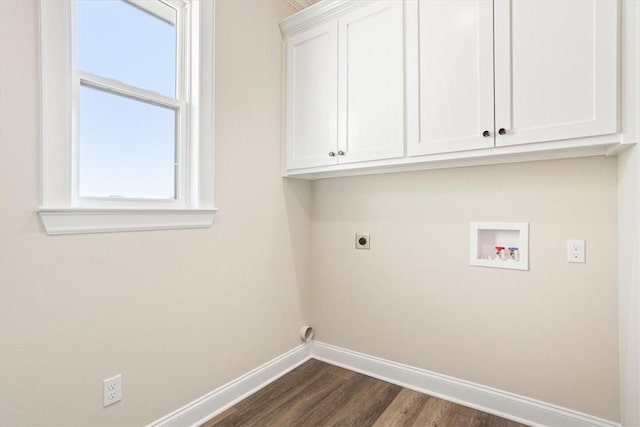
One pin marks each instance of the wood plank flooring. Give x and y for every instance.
(319, 394)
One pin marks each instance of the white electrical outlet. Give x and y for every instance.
(575, 251)
(363, 241)
(112, 390)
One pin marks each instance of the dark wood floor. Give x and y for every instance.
(319, 394)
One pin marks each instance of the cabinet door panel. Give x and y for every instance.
(311, 101)
(455, 78)
(371, 112)
(555, 69)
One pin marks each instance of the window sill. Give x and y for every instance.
(89, 220)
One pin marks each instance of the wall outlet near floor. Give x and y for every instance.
(112, 390)
(363, 241)
(575, 251)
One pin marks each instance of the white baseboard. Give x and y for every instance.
(211, 404)
(506, 405)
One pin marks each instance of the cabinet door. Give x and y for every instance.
(555, 69)
(312, 97)
(449, 75)
(371, 105)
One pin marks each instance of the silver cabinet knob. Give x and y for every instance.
(341, 153)
(486, 134)
(332, 154)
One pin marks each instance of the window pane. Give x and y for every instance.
(118, 40)
(127, 147)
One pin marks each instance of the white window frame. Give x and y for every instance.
(61, 209)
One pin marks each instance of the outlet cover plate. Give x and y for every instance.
(112, 390)
(576, 251)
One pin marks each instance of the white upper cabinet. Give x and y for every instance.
(450, 87)
(371, 83)
(392, 85)
(312, 97)
(345, 89)
(555, 69)
(553, 65)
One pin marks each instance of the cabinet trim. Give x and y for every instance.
(314, 15)
(607, 145)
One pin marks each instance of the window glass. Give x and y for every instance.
(127, 147)
(134, 43)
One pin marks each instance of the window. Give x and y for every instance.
(127, 115)
(129, 103)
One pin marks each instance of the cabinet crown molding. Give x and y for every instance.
(300, 4)
(315, 14)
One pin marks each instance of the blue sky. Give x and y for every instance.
(127, 147)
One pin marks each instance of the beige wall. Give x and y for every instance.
(549, 333)
(177, 313)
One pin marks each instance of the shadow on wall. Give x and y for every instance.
(297, 198)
